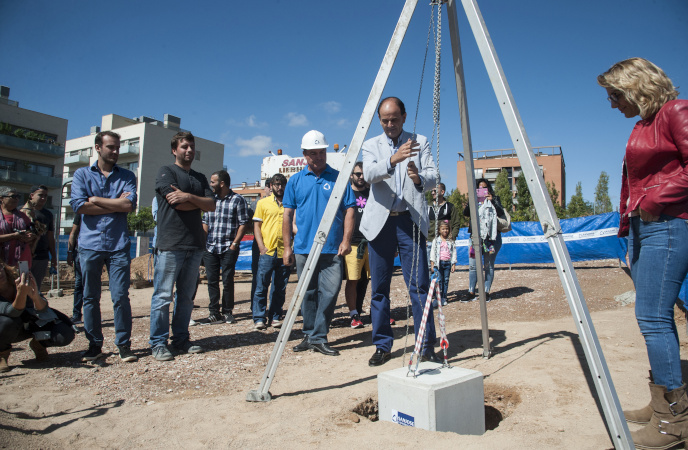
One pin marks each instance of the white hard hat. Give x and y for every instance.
(313, 140)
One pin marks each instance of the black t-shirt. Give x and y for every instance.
(445, 211)
(361, 200)
(42, 248)
(180, 230)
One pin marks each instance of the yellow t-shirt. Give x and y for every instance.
(270, 213)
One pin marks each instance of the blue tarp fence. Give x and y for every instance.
(587, 238)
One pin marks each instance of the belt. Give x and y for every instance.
(397, 213)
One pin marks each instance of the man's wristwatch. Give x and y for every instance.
(232, 244)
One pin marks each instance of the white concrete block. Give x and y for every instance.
(438, 399)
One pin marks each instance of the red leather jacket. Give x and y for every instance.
(655, 176)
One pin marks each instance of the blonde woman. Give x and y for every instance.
(654, 209)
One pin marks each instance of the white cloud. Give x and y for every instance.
(297, 120)
(256, 146)
(332, 107)
(250, 121)
(343, 123)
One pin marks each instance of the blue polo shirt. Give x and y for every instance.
(308, 195)
(102, 232)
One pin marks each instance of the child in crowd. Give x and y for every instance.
(443, 257)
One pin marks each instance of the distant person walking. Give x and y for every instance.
(654, 210)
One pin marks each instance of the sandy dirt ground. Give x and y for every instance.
(538, 392)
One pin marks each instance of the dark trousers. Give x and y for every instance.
(213, 263)
(12, 330)
(398, 232)
(78, 287)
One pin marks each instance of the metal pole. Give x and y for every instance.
(550, 224)
(262, 394)
(470, 174)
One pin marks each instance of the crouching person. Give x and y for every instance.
(24, 314)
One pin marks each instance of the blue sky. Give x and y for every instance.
(257, 75)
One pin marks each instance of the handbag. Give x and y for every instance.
(504, 223)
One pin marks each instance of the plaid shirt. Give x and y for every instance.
(230, 213)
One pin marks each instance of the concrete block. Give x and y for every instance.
(438, 399)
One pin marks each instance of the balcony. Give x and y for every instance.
(29, 178)
(77, 160)
(25, 145)
(129, 150)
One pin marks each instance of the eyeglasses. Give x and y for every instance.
(14, 196)
(613, 98)
(358, 174)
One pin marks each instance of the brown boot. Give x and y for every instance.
(38, 350)
(643, 415)
(669, 423)
(4, 356)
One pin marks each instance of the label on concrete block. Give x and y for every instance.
(403, 419)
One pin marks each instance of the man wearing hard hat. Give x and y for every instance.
(308, 192)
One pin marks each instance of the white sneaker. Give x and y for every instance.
(192, 323)
(260, 325)
(276, 324)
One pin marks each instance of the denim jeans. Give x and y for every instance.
(78, 286)
(321, 296)
(267, 266)
(445, 271)
(173, 267)
(213, 262)
(659, 263)
(398, 233)
(488, 265)
(118, 266)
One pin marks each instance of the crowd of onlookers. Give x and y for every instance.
(383, 213)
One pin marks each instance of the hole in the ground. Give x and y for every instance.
(368, 408)
(500, 401)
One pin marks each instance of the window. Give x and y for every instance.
(198, 156)
(134, 167)
(7, 164)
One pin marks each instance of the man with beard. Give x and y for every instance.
(104, 194)
(267, 232)
(224, 228)
(182, 195)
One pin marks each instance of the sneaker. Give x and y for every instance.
(192, 323)
(260, 325)
(76, 320)
(392, 321)
(92, 353)
(188, 347)
(276, 323)
(356, 322)
(125, 354)
(162, 353)
(213, 319)
(229, 318)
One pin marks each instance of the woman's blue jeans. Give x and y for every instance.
(659, 263)
(488, 265)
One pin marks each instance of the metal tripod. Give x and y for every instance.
(550, 223)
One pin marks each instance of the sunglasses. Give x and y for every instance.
(358, 174)
(14, 196)
(613, 98)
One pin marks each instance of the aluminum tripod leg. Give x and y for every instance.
(470, 174)
(550, 224)
(262, 393)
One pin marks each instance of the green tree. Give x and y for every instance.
(459, 201)
(578, 207)
(554, 196)
(141, 221)
(524, 202)
(602, 202)
(502, 188)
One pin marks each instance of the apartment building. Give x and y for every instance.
(489, 163)
(145, 147)
(32, 148)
